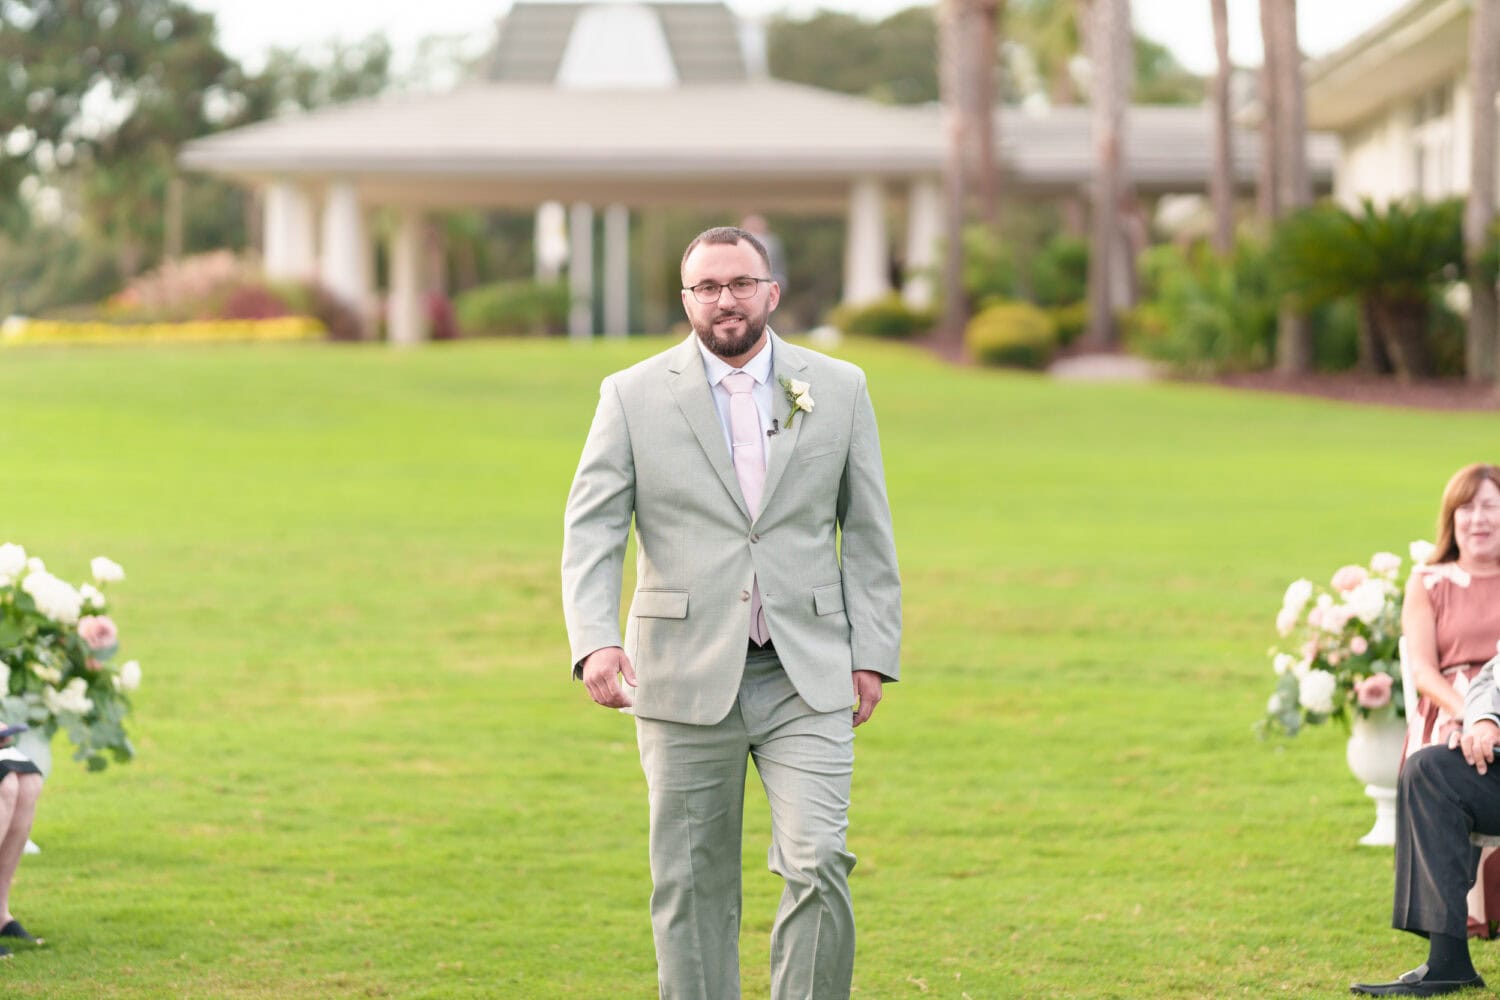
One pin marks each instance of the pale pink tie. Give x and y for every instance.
(750, 470)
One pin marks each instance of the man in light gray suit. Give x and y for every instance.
(766, 616)
(1443, 796)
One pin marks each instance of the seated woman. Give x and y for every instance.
(1448, 791)
(1451, 620)
(20, 786)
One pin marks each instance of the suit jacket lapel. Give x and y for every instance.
(787, 363)
(689, 387)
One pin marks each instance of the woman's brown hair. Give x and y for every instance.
(1459, 491)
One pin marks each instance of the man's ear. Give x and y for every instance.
(774, 298)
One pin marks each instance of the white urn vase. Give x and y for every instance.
(1374, 755)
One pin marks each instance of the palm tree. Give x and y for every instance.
(1266, 203)
(952, 70)
(967, 41)
(1479, 210)
(1288, 130)
(1221, 184)
(1109, 38)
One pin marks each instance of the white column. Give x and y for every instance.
(924, 227)
(406, 317)
(581, 270)
(866, 277)
(616, 271)
(290, 250)
(550, 240)
(345, 265)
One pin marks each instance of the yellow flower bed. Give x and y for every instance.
(19, 332)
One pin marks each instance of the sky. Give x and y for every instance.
(248, 28)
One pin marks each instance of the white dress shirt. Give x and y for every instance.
(758, 368)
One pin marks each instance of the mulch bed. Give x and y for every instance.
(1420, 394)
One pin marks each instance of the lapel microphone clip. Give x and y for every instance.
(775, 427)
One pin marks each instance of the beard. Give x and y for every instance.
(731, 346)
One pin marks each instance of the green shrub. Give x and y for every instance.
(1072, 320)
(1203, 314)
(1012, 333)
(1060, 272)
(886, 317)
(1391, 259)
(989, 265)
(513, 309)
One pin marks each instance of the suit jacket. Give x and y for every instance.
(821, 546)
(1482, 700)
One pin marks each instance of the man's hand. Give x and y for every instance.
(1478, 745)
(867, 689)
(602, 670)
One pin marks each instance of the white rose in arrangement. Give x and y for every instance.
(72, 698)
(4, 678)
(35, 565)
(1420, 552)
(1315, 693)
(12, 560)
(1283, 662)
(1367, 601)
(130, 677)
(92, 595)
(1296, 596)
(54, 598)
(49, 674)
(1386, 562)
(106, 570)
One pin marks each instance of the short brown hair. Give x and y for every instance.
(727, 236)
(1459, 491)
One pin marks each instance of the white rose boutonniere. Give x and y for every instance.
(798, 396)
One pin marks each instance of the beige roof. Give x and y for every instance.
(703, 39)
(1417, 47)
(773, 143)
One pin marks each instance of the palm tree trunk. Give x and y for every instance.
(952, 57)
(1221, 183)
(1267, 204)
(1110, 41)
(1479, 211)
(1294, 347)
(984, 18)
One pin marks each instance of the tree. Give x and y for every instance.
(1109, 43)
(1479, 209)
(109, 89)
(1221, 183)
(953, 56)
(1286, 123)
(1389, 259)
(894, 60)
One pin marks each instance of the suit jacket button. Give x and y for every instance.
(744, 595)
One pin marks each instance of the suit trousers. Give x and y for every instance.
(1441, 799)
(696, 777)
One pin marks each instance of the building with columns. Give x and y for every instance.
(621, 108)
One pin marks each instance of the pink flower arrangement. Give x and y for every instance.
(1349, 577)
(98, 631)
(1374, 691)
(1337, 658)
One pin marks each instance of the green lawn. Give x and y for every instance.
(363, 771)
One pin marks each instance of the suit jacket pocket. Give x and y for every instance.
(828, 600)
(660, 604)
(820, 449)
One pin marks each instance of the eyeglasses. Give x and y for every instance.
(742, 287)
